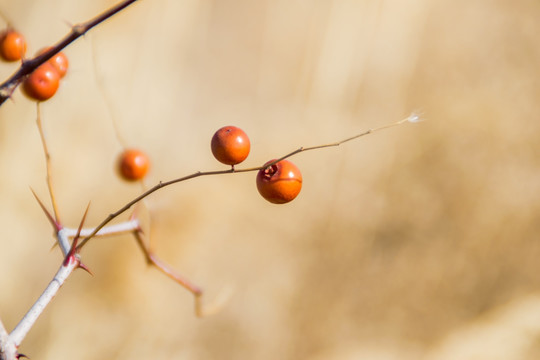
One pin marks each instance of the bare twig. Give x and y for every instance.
(116, 229)
(29, 65)
(152, 258)
(106, 99)
(47, 163)
(201, 310)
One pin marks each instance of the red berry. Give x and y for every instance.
(59, 61)
(12, 45)
(230, 145)
(133, 164)
(42, 83)
(279, 183)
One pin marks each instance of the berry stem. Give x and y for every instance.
(106, 99)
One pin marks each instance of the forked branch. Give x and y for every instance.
(9, 343)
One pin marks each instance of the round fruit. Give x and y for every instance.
(230, 145)
(279, 183)
(42, 83)
(12, 45)
(59, 61)
(133, 164)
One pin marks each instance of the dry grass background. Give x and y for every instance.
(420, 242)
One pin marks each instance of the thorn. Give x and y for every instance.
(73, 249)
(82, 222)
(68, 24)
(53, 222)
(85, 268)
(53, 246)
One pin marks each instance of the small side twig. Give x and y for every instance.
(116, 229)
(201, 310)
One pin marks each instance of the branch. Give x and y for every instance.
(26, 323)
(8, 350)
(71, 262)
(413, 118)
(28, 66)
(10, 343)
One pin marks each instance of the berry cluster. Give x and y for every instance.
(44, 81)
(277, 181)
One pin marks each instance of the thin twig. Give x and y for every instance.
(8, 21)
(116, 229)
(412, 118)
(106, 99)
(151, 258)
(29, 65)
(201, 310)
(47, 163)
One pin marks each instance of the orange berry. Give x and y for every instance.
(59, 61)
(12, 45)
(279, 183)
(133, 164)
(230, 145)
(42, 83)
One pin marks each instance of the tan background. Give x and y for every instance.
(420, 242)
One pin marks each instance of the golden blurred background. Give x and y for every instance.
(419, 242)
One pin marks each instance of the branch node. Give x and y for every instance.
(79, 29)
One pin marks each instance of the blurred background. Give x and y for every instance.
(418, 242)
